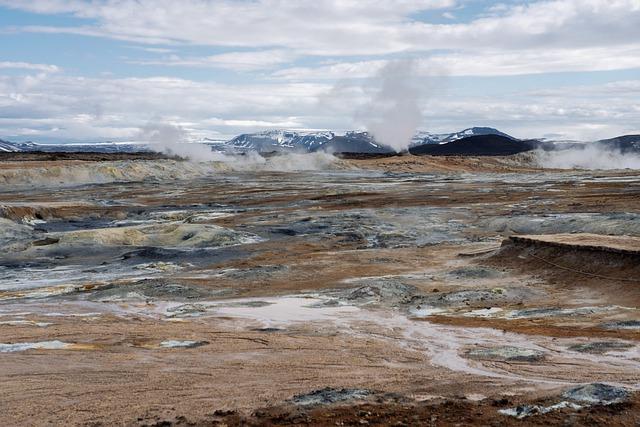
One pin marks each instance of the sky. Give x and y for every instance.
(102, 70)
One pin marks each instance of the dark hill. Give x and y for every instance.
(479, 145)
(624, 144)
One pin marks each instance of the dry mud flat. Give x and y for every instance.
(159, 292)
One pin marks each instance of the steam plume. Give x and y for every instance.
(173, 140)
(591, 156)
(394, 112)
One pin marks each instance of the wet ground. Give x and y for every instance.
(136, 296)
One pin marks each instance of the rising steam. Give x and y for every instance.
(591, 156)
(173, 140)
(394, 112)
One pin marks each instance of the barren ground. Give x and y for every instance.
(145, 291)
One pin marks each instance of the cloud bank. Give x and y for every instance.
(223, 67)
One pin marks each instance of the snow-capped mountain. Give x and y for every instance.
(304, 141)
(96, 147)
(281, 140)
(7, 147)
(422, 137)
(307, 142)
(13, 147)
(352, 141)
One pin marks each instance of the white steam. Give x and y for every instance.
(285, 162)
(173, 140)
(394, 112)
(591, 156)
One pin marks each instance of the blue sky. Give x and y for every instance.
(73, 70)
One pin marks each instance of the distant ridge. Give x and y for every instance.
(350, 142)
(479, 145)
(354, 142)
(269, 141)
(422, 138)
(14, 147)
(476, 141)
(101, 147)
(625, 143)
(7, 147)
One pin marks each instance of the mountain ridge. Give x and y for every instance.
(354, 142)
(476, 145)
(351, 141)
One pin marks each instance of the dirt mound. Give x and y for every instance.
(508, 354)
(607, 265)
(585, 242)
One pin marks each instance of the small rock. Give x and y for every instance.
(597, 393)
(182, 344)
(506, 353)
(600, 347)
(330, 395)
(267, 329)
(625, 324)
(524, 411)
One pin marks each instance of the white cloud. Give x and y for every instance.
(485, 63)
(288, 123)
(77, 107)
(152, 49)
(94, 108)
(29, 66)
(237, 61)
(349, 39)
(310, 26)
(574, 112)
(340, 27)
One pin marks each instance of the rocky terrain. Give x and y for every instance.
(398, 290)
